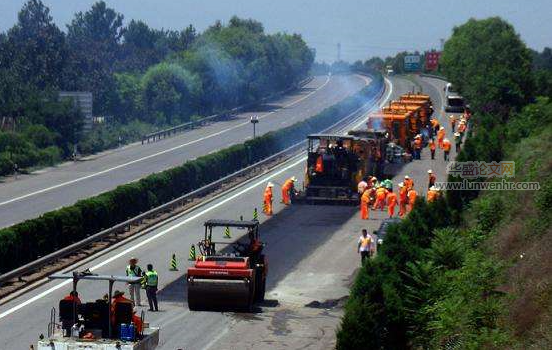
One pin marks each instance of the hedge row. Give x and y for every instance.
(26, 241)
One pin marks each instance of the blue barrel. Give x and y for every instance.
(123, 331)
(131, 332)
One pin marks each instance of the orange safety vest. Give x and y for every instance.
(365, 199)
(381, 193)
(412, 194)
(365, 242)
(461, 128)
(446, 146)
(287, 185)
(408, 183)
(434, 123)
(441, 134)
(391, 199)
(268, 194)
(319, 168)
(431, 196)
(402, 194)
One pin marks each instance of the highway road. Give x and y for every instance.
(28, 196)
(312, 257)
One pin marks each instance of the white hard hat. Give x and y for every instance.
(429, 171)
(456, 134)
(432, 188)
(293, 178)
(406, 177)
(441, 128)
(446, 140)
(374, 179)
(401, 184)
(270, 184)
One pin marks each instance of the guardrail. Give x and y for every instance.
(158, 135)
(433, 76)
(177, 202)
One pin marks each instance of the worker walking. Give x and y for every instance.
(402, 199)
(412, 195)
(452, 122)
(364, 245)
(365, 205)
(267, 199)
(441, 137)
(152, 280)
(457, 141)
(431, 178)
(446, 149)
(391, 203)
(432, 194)
(288, 188)
(133, 270)
(408, 182)
(381, 194)
(432, 147)
(417, 147)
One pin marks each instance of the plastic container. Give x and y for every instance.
(123, 331)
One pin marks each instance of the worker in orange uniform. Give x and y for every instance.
(412, 195)
(440, 137)
(431, 178)
(462, 127)
(408, 182)
(267, 199)
(287, 188)
(446, 147)
(391, 203)
(402, 199)
(118, 298)
(432, 194)
(381, 194)
(432, 147)
(319, 167)
(74, 297)
(417, 146)
(452, 122)
(362, 186)
(365, 205)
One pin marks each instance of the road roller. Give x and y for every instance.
(228, 276)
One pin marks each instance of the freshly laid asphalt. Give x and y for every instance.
(28, 196)
(312, 258)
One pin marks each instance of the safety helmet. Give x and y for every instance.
(430, 171)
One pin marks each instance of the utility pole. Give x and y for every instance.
(338, 52)
(442, 46)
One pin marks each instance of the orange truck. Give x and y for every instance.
(421, 100)
(396, 123)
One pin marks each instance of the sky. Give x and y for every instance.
(364, 28)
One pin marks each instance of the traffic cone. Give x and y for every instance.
(174, 264)
(227, 232)
(192, 253)
(255, 214)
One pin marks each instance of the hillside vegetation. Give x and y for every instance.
(472, 271)
(141, 78)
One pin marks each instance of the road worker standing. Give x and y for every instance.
(319, 167)
(441, 137)
(417, 146)
(152, 280)
(452, 119)
(362, 185)
(412, 195)
(133, 270)
(431, 178)
(432, 147)
(364, 245)
(457, 141)
(446, 148)
(402, 199)
(267, 199)
(391, 203)
(408, 182)
(432, 194)
(381, 194)
(288, 188)
(365, 205)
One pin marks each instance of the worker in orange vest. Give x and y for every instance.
(417, 146)
(391, 203)
(412, 195)
(431, 178)
(381, 194)
(287, 188)
(432, 148)
(446, 148)
(441, 137)
(267, 200)
(408, 182)
(365, 205)
(402, 199)
(432, 194)
(452, 122)
(319, 167)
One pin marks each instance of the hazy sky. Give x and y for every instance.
(363, 27)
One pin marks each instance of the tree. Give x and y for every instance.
(142, 46)
(34, 50)
(94, 38)
(489, 64)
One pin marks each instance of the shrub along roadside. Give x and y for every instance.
(26, 241)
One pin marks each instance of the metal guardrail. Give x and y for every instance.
(182, 200)
(433, 76)
(158, 135)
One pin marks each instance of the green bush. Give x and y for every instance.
(30, 239)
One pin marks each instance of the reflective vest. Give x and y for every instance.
(365, 242)
(391, 199)
(446, 146)
(151, 278)
(133, 271)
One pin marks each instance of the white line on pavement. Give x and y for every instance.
(161, 152)
(299, 159)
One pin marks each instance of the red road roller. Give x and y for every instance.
(230, 278)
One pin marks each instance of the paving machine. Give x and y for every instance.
(99, 324)
(228, 280)
(337, 163)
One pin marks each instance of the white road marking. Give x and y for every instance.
(136, 245)
(159, 153)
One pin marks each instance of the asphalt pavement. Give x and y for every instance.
(312, 260)
(28, 196)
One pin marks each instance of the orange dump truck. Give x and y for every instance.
(413, 111)
(396, 123)
(421, 100)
